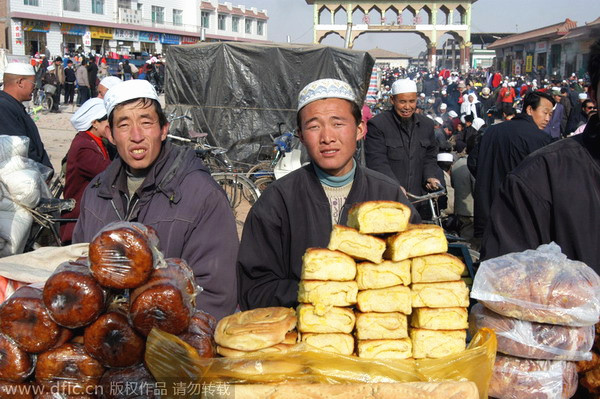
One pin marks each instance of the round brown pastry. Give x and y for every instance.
(113, 342)
(121, 258)
(65, 336)
(202, 322)
(15, 364)
(24, 318)
(163, 304)
(69, 369)
(15, 390)
(204, 344)
(142, 389)
(255, 329)
(179, 270)
(72, 296)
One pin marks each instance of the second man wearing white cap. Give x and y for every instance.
(401, 144)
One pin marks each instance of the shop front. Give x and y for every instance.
(189, 40)
(541, 52)
(100, 39)
(34, 35)
(167, 40)
(125, 40)
(72, 37)
(148, 42)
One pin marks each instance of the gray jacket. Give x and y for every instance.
(187, 208)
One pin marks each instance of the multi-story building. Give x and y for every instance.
(126, 26)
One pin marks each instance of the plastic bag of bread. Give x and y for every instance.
(516, 378)
(535, 340)
(539, 285)
(124, 254)
(172, 361)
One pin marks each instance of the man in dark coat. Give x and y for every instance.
(504, 146)
(168, 188)
(540, 202)
(402, 144)
(19, 82)
(92, 69)
(298, 211)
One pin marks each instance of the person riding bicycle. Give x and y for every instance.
(166, 187)
(19, 82)
(298, 211)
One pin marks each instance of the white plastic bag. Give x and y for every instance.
(15, 223)
(11, 146)
(539, 285)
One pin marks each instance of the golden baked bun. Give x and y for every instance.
(333, 293)
(436, 268)
(342, 344)
(440, 295)
(228, 352)
(324, 264)
(381, 326)
(255, 329)
(440, 318)
(391, 299)
(359, 246)
(379, 217)
(385, 274)
(437, 343)
(385, 348)
(313, 319)
(416, 240)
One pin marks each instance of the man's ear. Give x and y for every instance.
(300, 135)
(108, 134)
(164, 131)
(361, 131)
(529, 110)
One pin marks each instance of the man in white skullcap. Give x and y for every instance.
(107, 83)
(19, 82)
(87, 157)
(166, 187)
(403, 146)
(298, 211)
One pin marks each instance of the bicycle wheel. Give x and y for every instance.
(263, 182)
(254, 172)
(47, 103)
(241, 194)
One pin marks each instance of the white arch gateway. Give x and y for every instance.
(429, 19)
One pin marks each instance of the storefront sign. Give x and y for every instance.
(87, 39)
(541, 47)
(70, 29)
(101, 33)
(528, 63)
(126, 34)
(166, 38)
(36, 26)
(149, 37)
(189, 40)
(17, 31)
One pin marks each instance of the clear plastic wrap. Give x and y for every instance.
(200, 334)
(13, 146)
(535, 340)
(124, 254)
(172, 361)
(25, 180)
(72, 296)
(539, 285)
(24, 318)
(15, 224)
(15, 364)
(515, 378)
(117, 383)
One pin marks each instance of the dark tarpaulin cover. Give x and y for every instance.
(238, 93)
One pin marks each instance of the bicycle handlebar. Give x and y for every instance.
(420, 198)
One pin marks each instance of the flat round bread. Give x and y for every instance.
(255, 329)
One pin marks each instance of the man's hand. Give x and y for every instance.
(433, 184)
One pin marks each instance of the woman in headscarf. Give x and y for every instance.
(471, 106)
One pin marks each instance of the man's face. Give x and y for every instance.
(541, 116)
(26, 86)
(588, 108)
(405, 104)
(329, 132)
(102, 91)
(137, 134)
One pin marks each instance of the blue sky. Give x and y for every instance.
(294, 18)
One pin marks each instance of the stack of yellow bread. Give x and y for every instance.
(326, 292)
(406, 279)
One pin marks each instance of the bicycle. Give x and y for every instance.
(46, 222)
(42, 98)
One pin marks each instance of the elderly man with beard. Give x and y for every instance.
(402, 144)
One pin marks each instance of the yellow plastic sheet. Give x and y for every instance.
(175, 364)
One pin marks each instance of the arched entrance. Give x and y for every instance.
(431, 20)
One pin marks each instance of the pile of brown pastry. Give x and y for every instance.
(86, 327)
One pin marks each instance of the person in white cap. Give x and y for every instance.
(86, 158)
(402, 145)
(106, 84)
(19, 83)
(51, 78)
(578, 115)
(168, 188)
(298, 211)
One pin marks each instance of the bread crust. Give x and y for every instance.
(440, 295)
(381, 325)
(327, 265)
(416, 240)
(437, 343)
(312, 319)
(440, 318)
(436, 268)
(391, 299)
(385, 348)
(342, 344)
(386, 274)
(379, 217)
(357, 245)
(333, 293)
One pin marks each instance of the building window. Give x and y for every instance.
(235, 24)
(248, 26)
(204, 19)
(222, 19)
(31, 3)
(260, 28)
(71, 5)
(97, 6)
(158, 15)
(178, 17)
